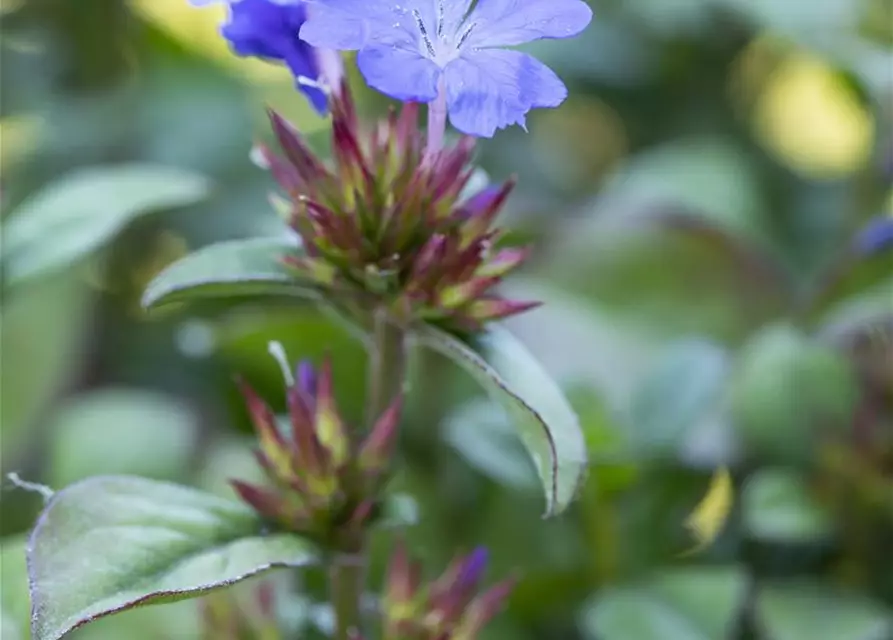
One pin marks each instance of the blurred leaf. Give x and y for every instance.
(850, 279)
(113, 431)
(225, 459)
(42, 328)
(483, 435)
(228, 269)
(872, 305)
(108, 544)
(789, 392)
(803, 18)
(691, 274)
(14, 603)
(778, 507)
(679, 604)
(398, 511)
(539, 411)
(711, 179)
(796, 611)
(82, 211)
(686, 381)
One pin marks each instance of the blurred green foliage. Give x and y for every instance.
(693, 204)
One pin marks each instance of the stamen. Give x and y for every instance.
(466, 33)
(421, 25)
(278, 352)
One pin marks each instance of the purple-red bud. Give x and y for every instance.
(375, 452)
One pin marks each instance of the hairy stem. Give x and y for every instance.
(347, 572)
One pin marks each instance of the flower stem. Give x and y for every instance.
(387, 364)
(437, 115)
(347, 571)
(331, 68)
(347, 581)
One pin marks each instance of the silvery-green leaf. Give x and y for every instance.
(540, 413)
(108, 544)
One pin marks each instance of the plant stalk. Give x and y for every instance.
(437, 117)
(347, 573)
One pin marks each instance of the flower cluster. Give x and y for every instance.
(321, 479)
(449, 52)
(424, 50)
(450, 608)
(388, 225)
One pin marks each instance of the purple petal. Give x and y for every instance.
(492, 89)
(269, 29)
(350, 25)
(400, 73)
(502, 23)
(454, 12)
(302, 63)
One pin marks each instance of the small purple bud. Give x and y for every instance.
(473, 569)
(306, 376)
(875, 237)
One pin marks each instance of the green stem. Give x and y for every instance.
(387, 365)
(347, 580)
(347, 572)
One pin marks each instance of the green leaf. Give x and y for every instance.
(795, 611)
(776, 505)
(109, 432)
(788, 390)
(43, 328)
(483, 435)
(85, 209)
(14, 605)
(686, 382)
(539, 411)
(228, 269)
(682, 604)
(108, 544)
(398, 510)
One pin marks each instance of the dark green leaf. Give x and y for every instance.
(686, 604)
(79, 213)
(108, 544)
(228, 269)
(539, 411)
(796, 611)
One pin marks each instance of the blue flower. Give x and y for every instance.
(269, 29)
(413, 49)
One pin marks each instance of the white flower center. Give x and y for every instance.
(442, 46)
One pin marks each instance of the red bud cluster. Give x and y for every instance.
(321, 480)
(450, 608)
(386, 225)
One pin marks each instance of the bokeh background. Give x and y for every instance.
(696, 205)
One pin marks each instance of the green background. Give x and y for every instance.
(693, 206)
